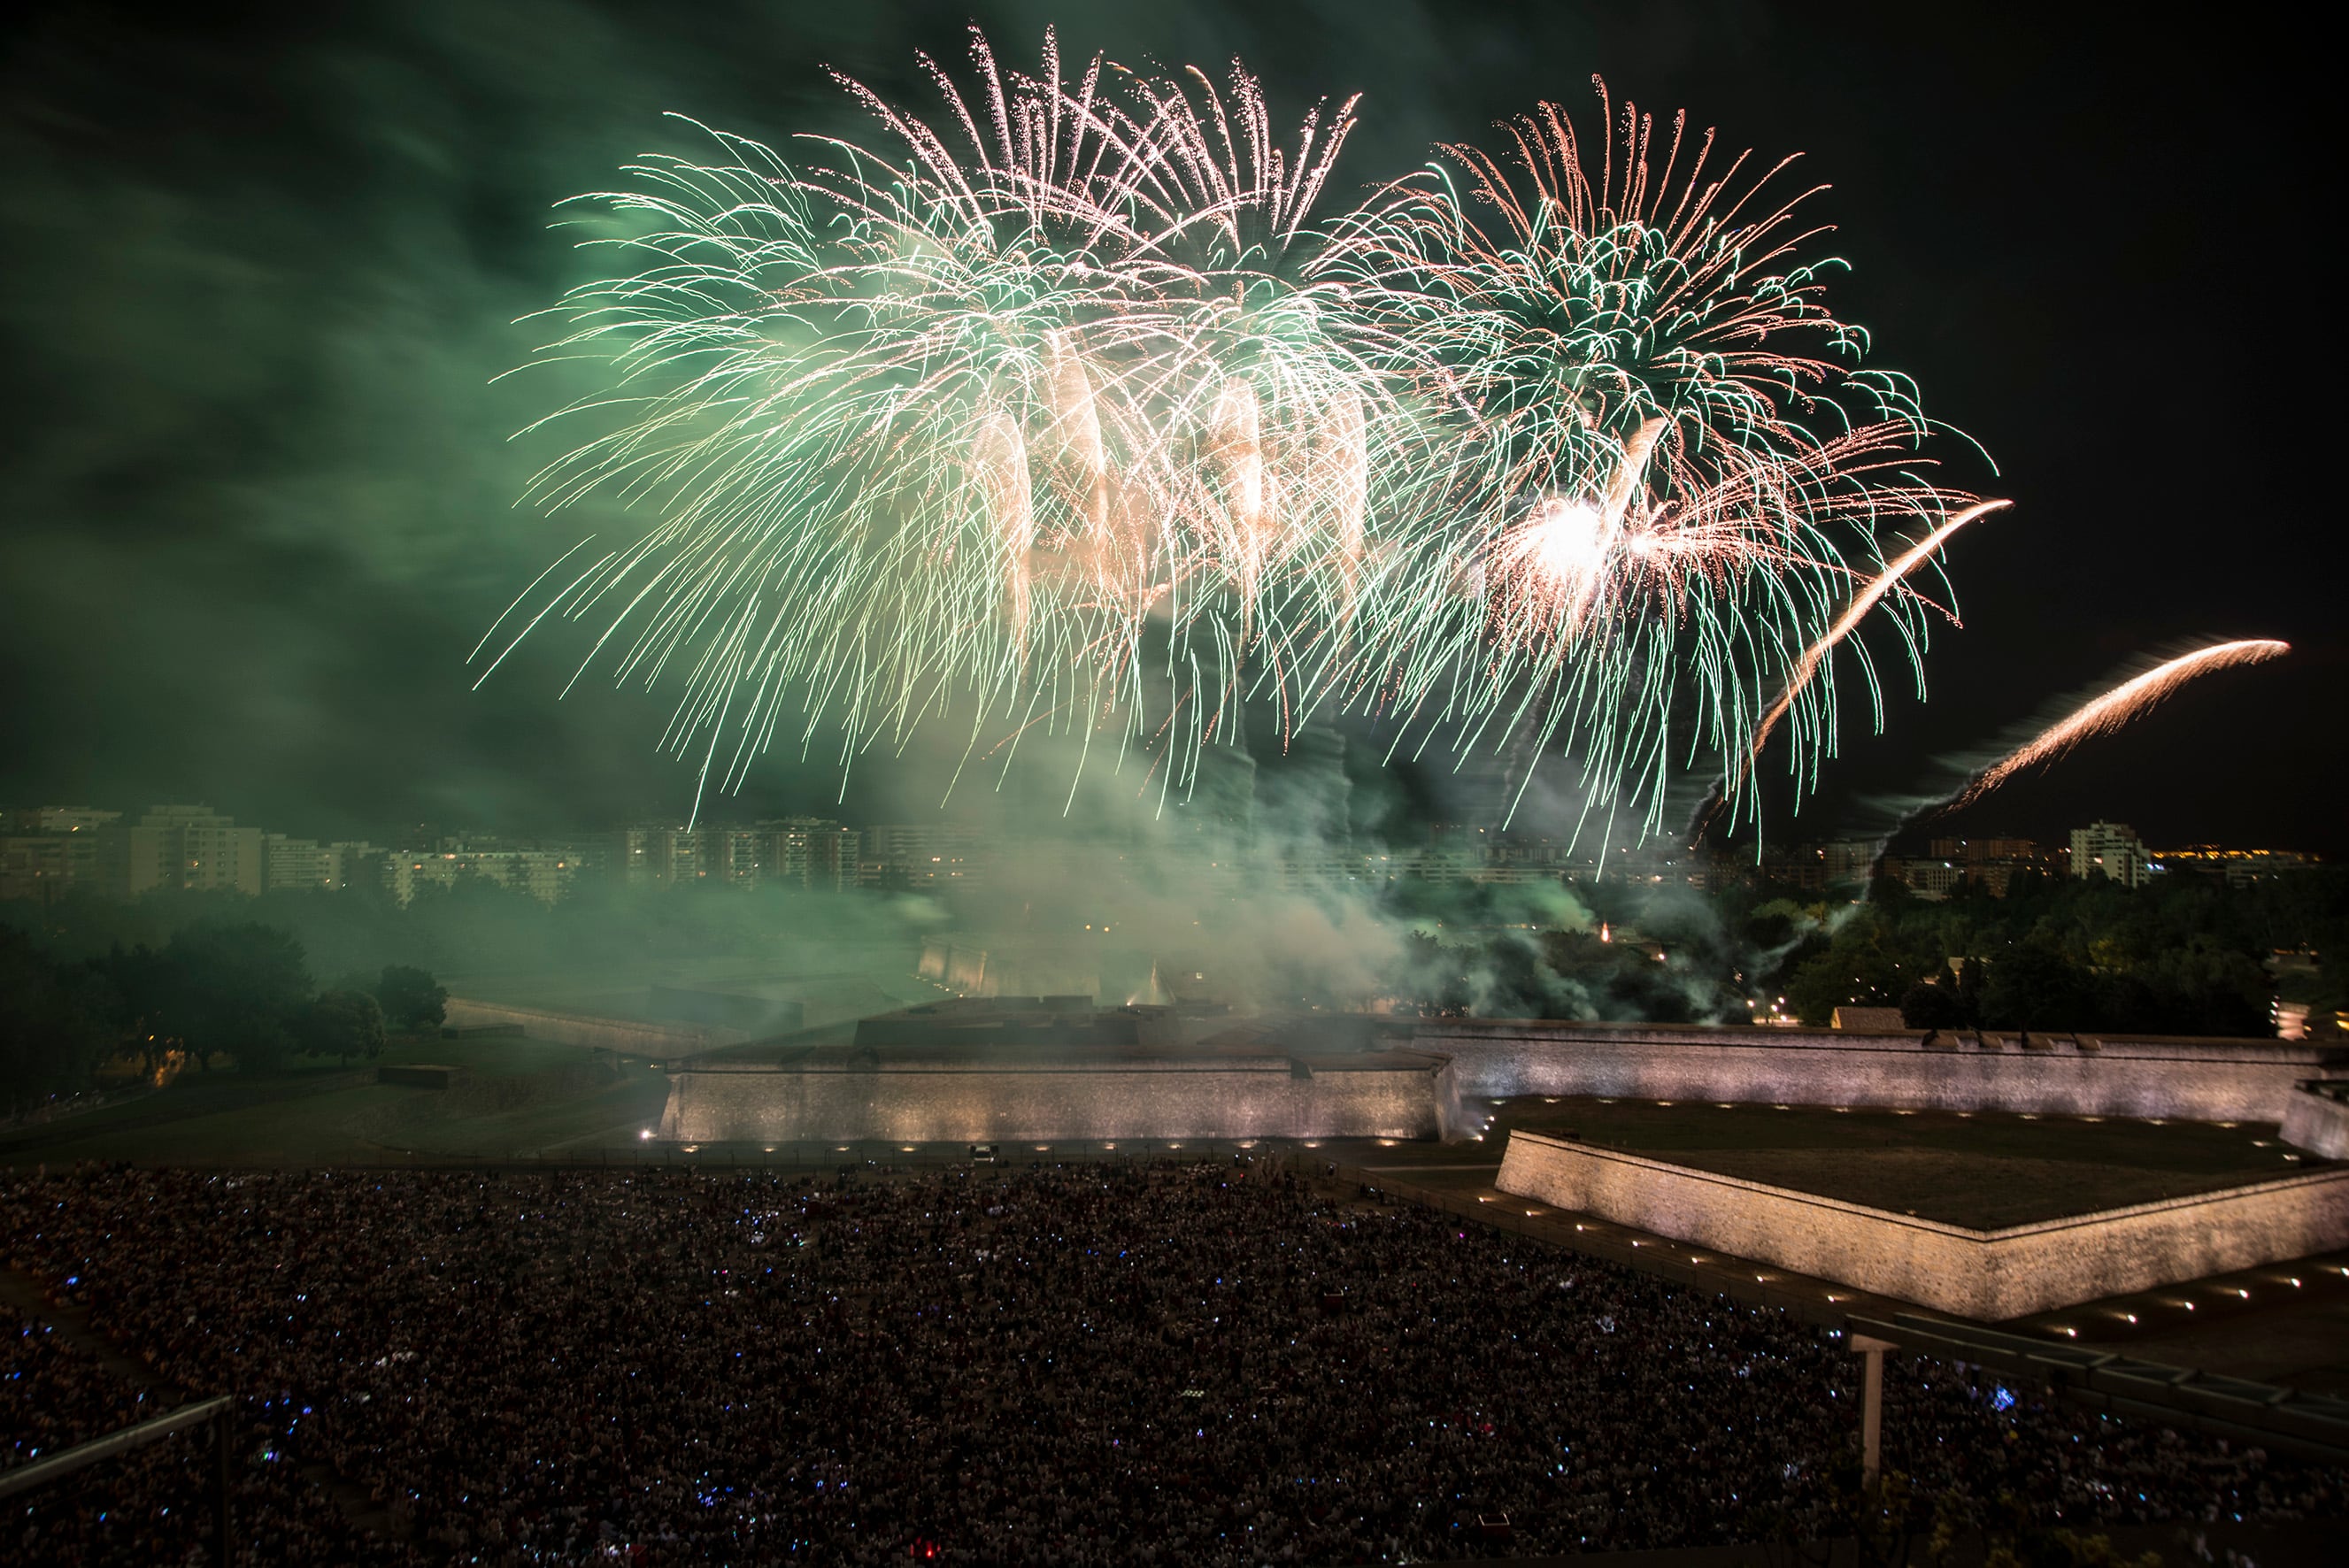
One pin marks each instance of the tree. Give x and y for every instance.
(1970, 991)
(144, 986)
(1580, 955)
(235, 988)
(411, 1001)
(53, 1021)
(2028, 887)
(1864, 965)
(1930, 1005)
(1774, 924)
(342, 1024)
(1434, 977)
(2035, 986)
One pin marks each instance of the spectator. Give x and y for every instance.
(1090, 1365)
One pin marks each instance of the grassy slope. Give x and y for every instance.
(324, 1114)
(1982, 1171)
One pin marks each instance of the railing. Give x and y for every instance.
(2315, 1425)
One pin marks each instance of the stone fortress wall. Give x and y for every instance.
(2317, 1119)
(1383, 1095)
(1269, 1092)
(1982, 1274)
(2143, 1077)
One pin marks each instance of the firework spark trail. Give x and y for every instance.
(2104, 714)
(1863, 603)
(1063, 411)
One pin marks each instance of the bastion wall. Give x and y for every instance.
(956, 1103)
(2200, 1081)
(1982, 1274)
(2318, 1123)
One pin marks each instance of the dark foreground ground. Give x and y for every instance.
(1093, 1363)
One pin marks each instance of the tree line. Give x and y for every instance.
(2185, 954)
(2182, 955)
(216, 994)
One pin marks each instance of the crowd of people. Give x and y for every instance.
(155, 1504)
(53, 1395)
(1197, 1364)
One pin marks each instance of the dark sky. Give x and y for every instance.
(263, 267)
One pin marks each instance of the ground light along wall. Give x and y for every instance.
(2084, 1075)
(1982, 1274)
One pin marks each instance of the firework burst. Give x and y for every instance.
(1670, 467)
(956, 422)
(1058, 408)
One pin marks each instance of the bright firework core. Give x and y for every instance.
(1561, 543)
(1549, 572)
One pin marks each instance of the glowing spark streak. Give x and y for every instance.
(1076, 421)
(1846, 624)
(1002, 460)
(1235, 437)
(1342, 454)
(1628, 476)
(2117, 707)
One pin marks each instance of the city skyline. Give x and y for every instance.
(48, 852)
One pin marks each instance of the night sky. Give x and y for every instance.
(263, 267)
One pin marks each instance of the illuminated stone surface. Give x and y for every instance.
(638, 1036)
(1986, 1274)
(1392, 1094)
(2111, 1075)
(2317, 1123)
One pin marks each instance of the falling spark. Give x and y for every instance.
(2102, 715)
(1862, 603)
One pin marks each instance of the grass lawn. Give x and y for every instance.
(526, 1094)
(1982, 1171)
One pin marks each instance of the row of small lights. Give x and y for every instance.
(2239, 1292)
(1897, 1110)
(1040, 1148)
(1487, 1123)
(1694, 1258)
